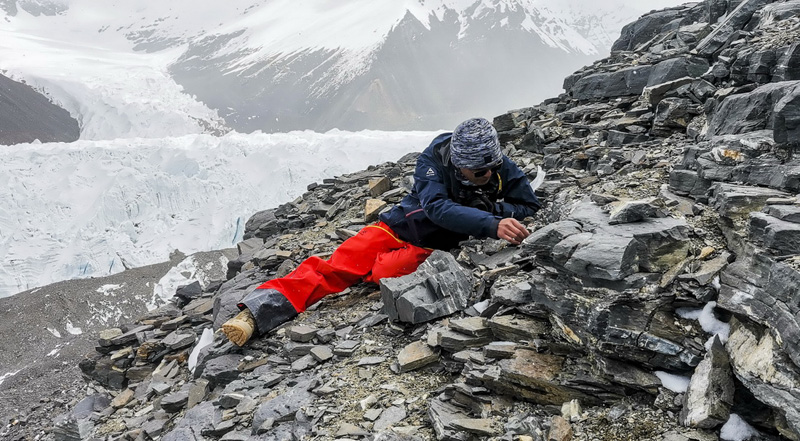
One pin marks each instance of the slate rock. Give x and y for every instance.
(301, 333)
(765, 291)
(220, 370)
(788, 68)
(629, 81)
(732, 200)
(389, 417)
(416, 355)
(764, 369)
(778, 236)
(644, 29)
(441, 415)
(676, 68)
(710, 394)
(633, 211)
(752, 111)
(283, 407)
(545, 238)
(786, 124)
(178, 340)
(788, 213)
(477, 426)
(726, 30)
(439, 287)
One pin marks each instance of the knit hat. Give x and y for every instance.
(475, 145)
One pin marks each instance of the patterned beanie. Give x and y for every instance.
(475, 145)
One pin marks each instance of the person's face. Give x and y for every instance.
(479, 176)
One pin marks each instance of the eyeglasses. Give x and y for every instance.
(482, 172)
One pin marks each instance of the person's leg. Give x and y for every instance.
(350, 262)
(280, 300)
(399, 262)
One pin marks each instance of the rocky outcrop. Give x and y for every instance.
(668, 245)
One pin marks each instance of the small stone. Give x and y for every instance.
(346, 348)
(379, 186)
(571, 411)
(473, 326)
(705, 252)
(321, 353)
(373, 414)
(347, 429)
(392, 415)
(175, 402)
(122, 398)
(302, 333)
(500, 349)
(372, 209)
(370, 361)
(303, 363)
(415, 356)
(482, 427)
(560, 429)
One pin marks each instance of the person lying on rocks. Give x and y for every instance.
(463, 186)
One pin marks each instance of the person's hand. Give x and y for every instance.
(509, 229)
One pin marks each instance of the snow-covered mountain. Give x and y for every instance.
(280, 65)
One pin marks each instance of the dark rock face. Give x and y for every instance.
(27, 115)
(644, 29)
(625, 82)
(750, 112)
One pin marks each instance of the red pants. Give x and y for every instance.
(373, 254)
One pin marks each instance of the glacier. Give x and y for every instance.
(93, 208)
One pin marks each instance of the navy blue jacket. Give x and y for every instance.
(441, 211)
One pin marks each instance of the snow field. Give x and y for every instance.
(92, 208)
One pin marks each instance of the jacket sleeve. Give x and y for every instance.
(519, 201)
(443, 211)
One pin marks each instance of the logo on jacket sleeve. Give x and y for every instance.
(430, 172)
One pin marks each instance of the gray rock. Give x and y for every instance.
(726, 30)
(389, 417)
(673, 113)
(677, 68)
(710, 394)
(778, 236)
(765, 291)
(346, 348)
(220, 370)
(201, 417)
(788, 68)
(708, 270)
(283, 407)
(732, 200)
(441, 415)
(633, 211)
(765, 370)
(322, 353)
(644, 29)
(654, 93)
(788, 213)
(629, 81)
(177, 340)
(545, 238)
(749, 112)
(787, 117)
(416, 355)
(439, 287)
(302, 333)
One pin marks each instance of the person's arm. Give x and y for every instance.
(519, 201)
(443, 211)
